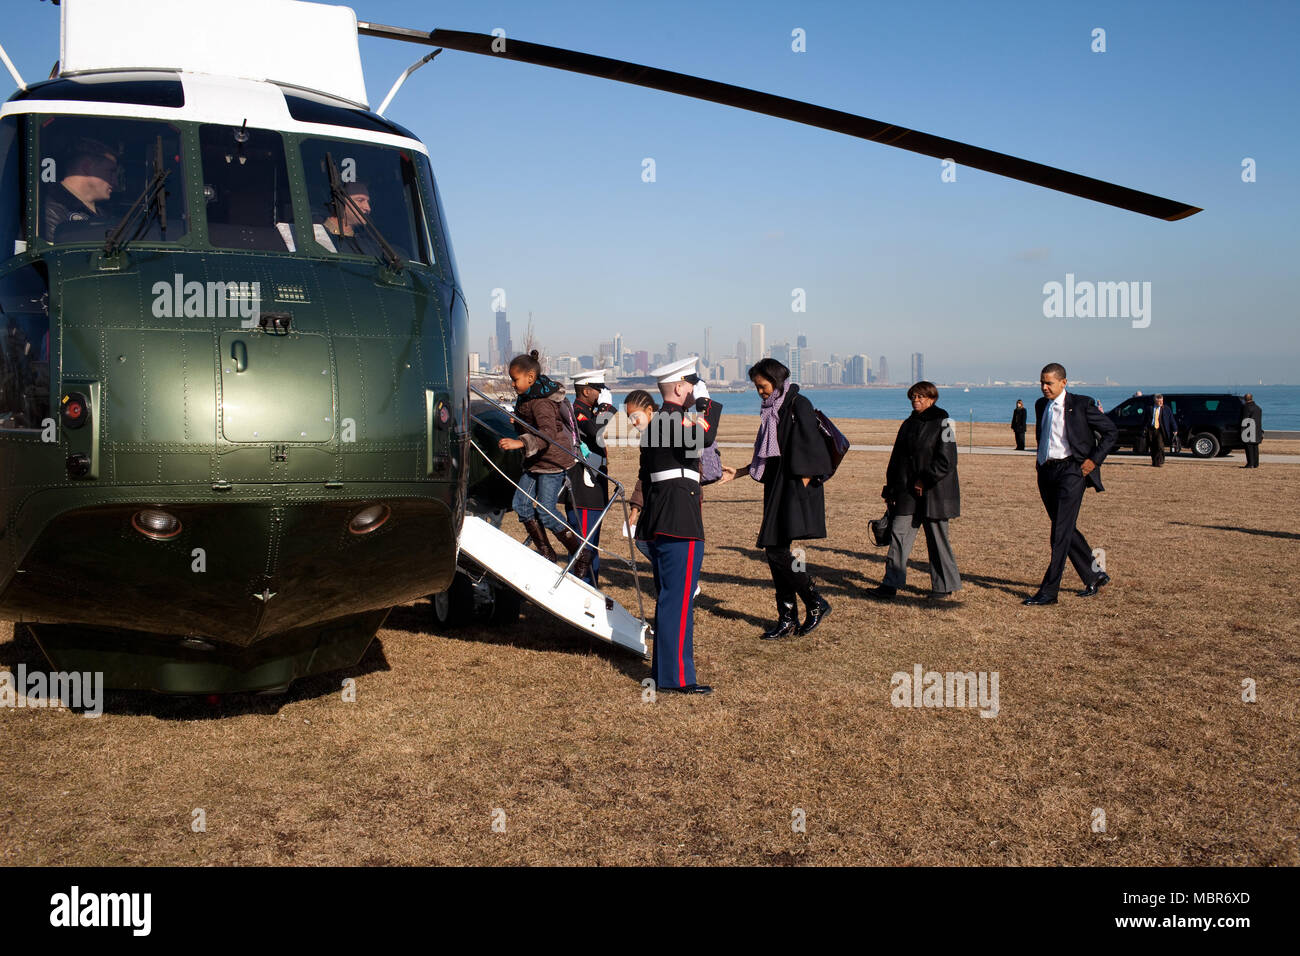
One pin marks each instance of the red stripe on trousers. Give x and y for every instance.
(686, 608)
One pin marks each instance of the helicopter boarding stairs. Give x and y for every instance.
(544, 583)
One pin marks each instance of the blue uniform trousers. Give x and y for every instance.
(676, 563)
(583, 522)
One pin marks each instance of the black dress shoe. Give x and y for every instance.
(1091, 590)
(883, 593)
(815, 615)
(688, 689)
(1038, 599)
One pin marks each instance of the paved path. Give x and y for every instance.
(1236, 458)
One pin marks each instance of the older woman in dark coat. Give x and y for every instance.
(790, 459)
(922, 492)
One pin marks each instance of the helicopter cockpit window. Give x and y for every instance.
(378, 200)
(11, 188)
(24, 299)
(246, 186)
(94, 169)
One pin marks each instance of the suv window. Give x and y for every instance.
(246, 187)
(1132, 409)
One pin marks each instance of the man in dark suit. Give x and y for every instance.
(1069, 459)
(1018, 424)
(1160, 432)
(1252, 430)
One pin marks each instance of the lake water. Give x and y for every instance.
(1280, 403)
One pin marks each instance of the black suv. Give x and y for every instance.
(1209, 423)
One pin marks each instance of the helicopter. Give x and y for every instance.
(235, 413)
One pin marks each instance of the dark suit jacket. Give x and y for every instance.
(1252, 410)
(1018, 417)
(1167, 424)
(1088, 433)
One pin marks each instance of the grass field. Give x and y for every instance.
(1129, 704)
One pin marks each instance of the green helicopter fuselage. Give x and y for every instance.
(229, 444)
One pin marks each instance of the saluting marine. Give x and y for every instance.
(672, 520)
(588, 493)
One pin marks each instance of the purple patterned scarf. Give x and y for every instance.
(765, 445)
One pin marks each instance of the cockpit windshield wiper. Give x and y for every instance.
(154, 196)
(340, 199)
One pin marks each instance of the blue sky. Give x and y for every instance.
(541, 174)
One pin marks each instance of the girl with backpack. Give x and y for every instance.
(542, 405)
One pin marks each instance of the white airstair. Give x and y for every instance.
(534, 577)
(514, 564)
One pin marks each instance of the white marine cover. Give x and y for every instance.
(308, 45)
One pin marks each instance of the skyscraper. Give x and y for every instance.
(757, 342)
(708, 347)
(855, 372)
(918, 367)
(642, 362)
(803, 342)
(672, 351)
(883, 377)
(505, 346)
(618, 350)
(741, 355)
(781, 352)
(796, 364)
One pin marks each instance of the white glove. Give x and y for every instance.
(701, 390)
(606, 397)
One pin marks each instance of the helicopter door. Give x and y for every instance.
(276, 388)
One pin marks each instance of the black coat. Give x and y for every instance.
(673, 506)
(587, 490)
(792, 510)
(1019, 417)
(1088, 433)
(1252, 411)
(920, 452)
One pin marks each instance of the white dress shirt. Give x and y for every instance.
(1052, 428)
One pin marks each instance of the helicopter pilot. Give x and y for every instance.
(353, 230)
(91, 174)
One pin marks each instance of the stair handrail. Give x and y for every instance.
(620, 495)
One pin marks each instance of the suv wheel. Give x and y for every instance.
(1205, 445)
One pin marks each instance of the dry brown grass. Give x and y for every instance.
(1130, 702)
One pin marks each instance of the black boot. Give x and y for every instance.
(818, 608)
(572, 543)
(537, 535)
(787, 622)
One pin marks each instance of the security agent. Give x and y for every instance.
(588, 493)
(672, 521)
(1069, 458)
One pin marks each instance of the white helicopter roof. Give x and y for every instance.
(308, 45)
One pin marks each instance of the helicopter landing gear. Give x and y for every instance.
(483, 601)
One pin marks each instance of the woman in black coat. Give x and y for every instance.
(791, 461)
(922, 492)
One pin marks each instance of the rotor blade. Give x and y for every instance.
(799, 112)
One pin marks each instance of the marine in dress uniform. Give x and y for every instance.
(672, 521)
(589, 493)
